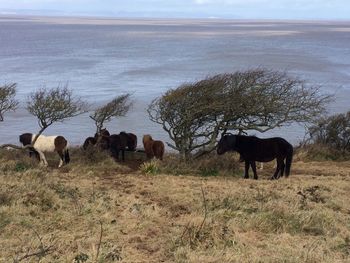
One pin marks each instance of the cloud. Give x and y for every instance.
(281, 3)
(288, 9)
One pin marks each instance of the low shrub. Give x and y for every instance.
(208, 165)
(332, 131)
(321, 152)
(90, 156)
(150, 167)
(16, 161)
(6, 198)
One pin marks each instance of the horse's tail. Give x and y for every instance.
(289, 160)
(66, 156)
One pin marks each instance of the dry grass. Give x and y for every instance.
(56, 215)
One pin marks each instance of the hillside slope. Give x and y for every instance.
(57, 215)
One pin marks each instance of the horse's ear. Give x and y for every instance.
(224, 133)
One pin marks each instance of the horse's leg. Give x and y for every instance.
(283, 166)
(253, 165)
(123, 155)
(278, 168)
(33, 153)
(42, 158)
(246, 172)
(61, 155)
(116, 154)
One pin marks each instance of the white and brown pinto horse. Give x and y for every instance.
(47, 144)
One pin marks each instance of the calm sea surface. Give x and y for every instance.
(102, 58)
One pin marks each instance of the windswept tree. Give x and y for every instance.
(195, 114)
(333, 131)
(117, 107)
(7, 99)
(54, 105)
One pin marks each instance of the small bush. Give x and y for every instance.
(16, 161)
(91, 155)
(151, 167)
(206, 172)
(321, 152)
(344, 246)
(5, 198)
(41, 199)
(277, 221)
(80, 258)
(4, 220)
(333, 131)
(21, 167)
(64, 191)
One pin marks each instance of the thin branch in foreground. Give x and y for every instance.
(99, 241)
(40, 251)
(205, 212)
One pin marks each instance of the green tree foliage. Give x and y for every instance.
(195, 114)
(333, 131)
(7, 99)
(54, 105)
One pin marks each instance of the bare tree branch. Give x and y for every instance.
(36, 250)
(117, 107)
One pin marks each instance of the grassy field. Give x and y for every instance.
(102, 211)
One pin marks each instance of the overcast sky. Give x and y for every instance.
(279, 9)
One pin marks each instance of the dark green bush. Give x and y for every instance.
(333, 131)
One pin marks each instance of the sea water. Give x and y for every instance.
(100, 58)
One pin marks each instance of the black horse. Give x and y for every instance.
(100, 140)
(254, 149)
(131, 140)
(114, 143)
(117, 143)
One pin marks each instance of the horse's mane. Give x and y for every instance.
(147, 138)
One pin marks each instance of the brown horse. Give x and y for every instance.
(89, 141)
(153, 148)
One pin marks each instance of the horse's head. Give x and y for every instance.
(25, 138)
(226, 143)
(147, 138)
(102, 133)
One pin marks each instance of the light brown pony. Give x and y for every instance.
(153, 148)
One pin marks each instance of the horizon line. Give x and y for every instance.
(212, 18)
